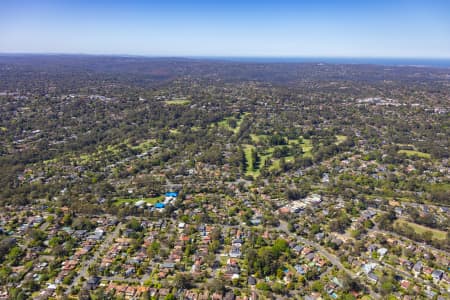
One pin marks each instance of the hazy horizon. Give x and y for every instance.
(187, 56)
(386, 61)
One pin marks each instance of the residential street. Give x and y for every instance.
(332, 258)
(105, 244)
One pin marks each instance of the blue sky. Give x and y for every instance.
(344, 28)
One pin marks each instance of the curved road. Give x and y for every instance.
(106, 243)
(332, 258)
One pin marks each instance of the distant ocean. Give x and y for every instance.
(418, 62)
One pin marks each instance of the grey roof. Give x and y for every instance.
(168, 265)
(418, 266)
(310, 256)
(373, 276)
(437, 274)
(299, 269)
(94, 280)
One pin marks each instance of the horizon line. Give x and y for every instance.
(206, 56)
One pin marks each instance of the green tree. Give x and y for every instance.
(182, 281)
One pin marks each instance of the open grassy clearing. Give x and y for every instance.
(420, 229)
(411, 150)
(257, 138)
(225, 123)
(50, 161)
(144, 145)
(177, 102)
(415, 153)
(276, 162)
(406, 145)
(248, 158)
(340, 139)
(112, 150)
(306, 146)
(263, 157)
(151, 200)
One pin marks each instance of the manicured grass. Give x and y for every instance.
(256, 138)
(50, 161)
(224, 123)
(340, 139)
(262, 159)
(153, 200)
(112, 150)
(177, 102)
(248, 157)
(276, 162)
(406, 145)
(415, 153)
(86, 158)
(144, 145)
(437, 234)
(307, 147)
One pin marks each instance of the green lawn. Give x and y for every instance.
(112, 150)
(177, 102)
(256, 138)
(49, 161)
(224, 123)
(86, 158)
(276, 162)
(144, 145)
(306, 146)
(267, 154)
(248, 157)
(340, 139)
(415, 153)
(437, 234)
